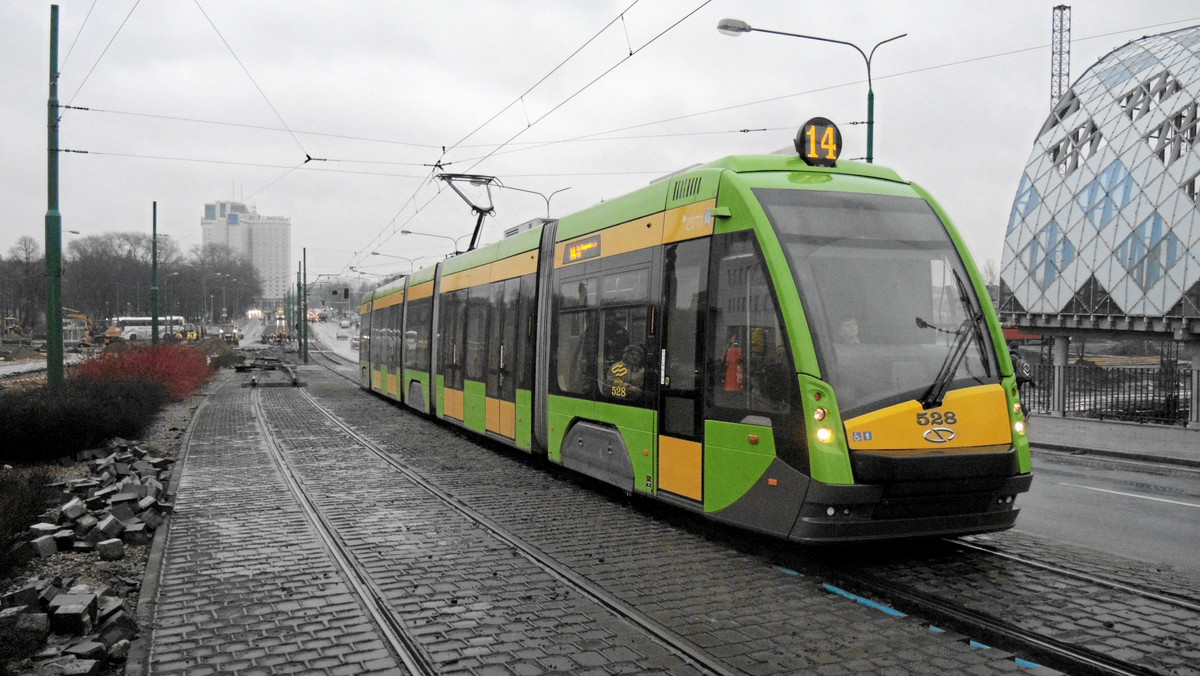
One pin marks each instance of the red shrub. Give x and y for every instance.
(180, 368)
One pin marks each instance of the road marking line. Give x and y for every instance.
(1131, 495)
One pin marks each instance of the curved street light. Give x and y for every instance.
(204, 296)
(430, 234)
(734, 28)
(534, 192)
(410, 261)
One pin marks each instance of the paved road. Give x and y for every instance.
(1116, 507)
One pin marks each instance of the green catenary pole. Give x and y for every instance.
(54, 333)
(154, 275)
(304, 307)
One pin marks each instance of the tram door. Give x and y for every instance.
(681, 361)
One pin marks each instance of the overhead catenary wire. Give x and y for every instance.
(249, 76)
(75, 40)
(102, 53)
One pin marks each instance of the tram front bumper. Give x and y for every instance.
(856, 512)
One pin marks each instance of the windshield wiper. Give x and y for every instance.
(932, 397)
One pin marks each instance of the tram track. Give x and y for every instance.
(1181, 599)
(403, 644)
(397, 634)
(1068, 656)
(1023, 591)
(1077, 621)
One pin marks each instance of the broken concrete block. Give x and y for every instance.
(146, 503)
(73, 509)
(154, 489)
(111, 550)
(75, 597)
(48, 594)
(37, 530)
(119, 627)
(151, 518)
(84, 524)
(136, 533)
(45, 546)
(72, 618)
(25, 596)
(111, 526)
(87, 650)
(123, 511)
(65, 539)
(8, 616)
(108, 606)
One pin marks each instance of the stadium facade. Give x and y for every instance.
(1104, 233)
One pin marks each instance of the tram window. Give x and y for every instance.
(625, 286)
(748, 354)
(525, 332)
(376, 335)
(394, 317)
(416, 337)
(510, 317)
(478, 310)
(453, 337)
(494, 340)
(576, 336)
(621, 366)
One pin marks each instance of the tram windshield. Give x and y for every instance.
(891, 308)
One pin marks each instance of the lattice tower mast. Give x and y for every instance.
(1060, 53)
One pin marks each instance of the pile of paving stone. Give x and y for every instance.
(89, 627)
(118, 503)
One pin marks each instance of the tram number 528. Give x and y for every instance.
(936, 418)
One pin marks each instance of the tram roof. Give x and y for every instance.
(744, 164)
(647, 200)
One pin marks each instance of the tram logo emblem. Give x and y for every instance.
(939, 435)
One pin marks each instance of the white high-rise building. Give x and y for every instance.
(265, 240)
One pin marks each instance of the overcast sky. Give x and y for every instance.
(195, 102)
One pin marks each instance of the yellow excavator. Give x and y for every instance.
(79, 328)
(12, 330)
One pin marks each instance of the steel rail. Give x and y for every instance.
(403, 643)
(1170, 599)
(685, 649)
(1073, 659)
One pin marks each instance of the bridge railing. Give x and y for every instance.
(1161, 394)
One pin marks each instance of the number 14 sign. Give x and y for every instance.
(819, 142)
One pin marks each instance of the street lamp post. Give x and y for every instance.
(204, 299)
(734, 27)
(410, 261)
(534, 192)
(431, 234)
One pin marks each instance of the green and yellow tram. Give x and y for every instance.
(793, 345)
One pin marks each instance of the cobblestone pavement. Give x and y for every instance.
(246, 586)
(756, 617)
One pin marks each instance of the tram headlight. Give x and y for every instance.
(824, 435)
(1019, 427)
(1016, 407)
(820, 414)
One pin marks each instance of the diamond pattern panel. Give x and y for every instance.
(1149, 252)
(1106, 218)
(1048, 255)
